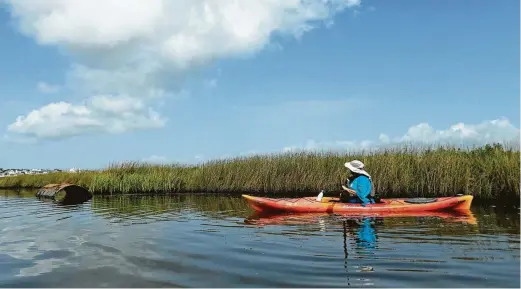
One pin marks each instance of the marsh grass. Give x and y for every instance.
(489, 172)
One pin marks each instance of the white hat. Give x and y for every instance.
(357, 167)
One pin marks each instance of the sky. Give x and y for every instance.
(87, 83)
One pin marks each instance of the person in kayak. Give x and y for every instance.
(359, 184)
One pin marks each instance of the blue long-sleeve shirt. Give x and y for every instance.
(362, 186)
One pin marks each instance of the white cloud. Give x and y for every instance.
(45, 87)
(144, 49)
(109, 114)
(460, 134)
(330, 145)
(155, 159)
(486, 132)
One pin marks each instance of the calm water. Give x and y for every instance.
(211, 241)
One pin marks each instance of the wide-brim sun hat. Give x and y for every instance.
(357, 167)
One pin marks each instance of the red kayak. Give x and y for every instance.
(333, 205)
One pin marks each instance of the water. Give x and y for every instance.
(211, 241)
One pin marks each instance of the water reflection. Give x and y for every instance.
(365, 239)
(365, 234)
(363, 229)
(263, 219)
(217, 240)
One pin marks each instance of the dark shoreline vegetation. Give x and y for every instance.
(488, 172)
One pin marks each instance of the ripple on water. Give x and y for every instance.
(152, 242)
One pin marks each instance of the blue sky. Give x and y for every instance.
(83, 86)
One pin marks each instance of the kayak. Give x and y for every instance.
(333, 205)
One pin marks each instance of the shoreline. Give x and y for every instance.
(487, 173)
(508, 201)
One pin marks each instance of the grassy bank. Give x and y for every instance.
(490, 172)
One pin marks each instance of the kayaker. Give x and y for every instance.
(358, 185)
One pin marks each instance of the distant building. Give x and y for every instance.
(9, 172)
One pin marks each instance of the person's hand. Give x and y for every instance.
(351, 192)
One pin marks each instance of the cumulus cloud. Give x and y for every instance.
(486, 132)
(145, 48)
(181, 31)
(460, 135)
(109, 114)
(45, 87)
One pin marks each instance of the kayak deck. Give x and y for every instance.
(333, 205)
